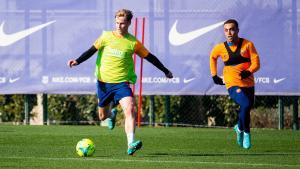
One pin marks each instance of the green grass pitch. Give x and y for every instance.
(53, 147)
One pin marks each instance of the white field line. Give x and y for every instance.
(159, 161)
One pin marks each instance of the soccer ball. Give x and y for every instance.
(85, 147)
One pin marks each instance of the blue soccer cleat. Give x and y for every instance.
(239, 135)
(112, 120)
(133, 147)
(247, 141)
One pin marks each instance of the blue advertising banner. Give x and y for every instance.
(37, 38)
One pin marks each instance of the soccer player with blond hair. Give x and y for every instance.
(115, 71)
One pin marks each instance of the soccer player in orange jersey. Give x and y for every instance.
(241, 61)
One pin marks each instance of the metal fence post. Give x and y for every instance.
(45, 109)
(26, 109)
(280, 113)
(167, 111)
(295, 113)
(151, 111)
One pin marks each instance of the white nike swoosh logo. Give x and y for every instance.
(188, 80)
(8, 39)
(176, 38)
(278, 80)
(2, 79)
(13, 80)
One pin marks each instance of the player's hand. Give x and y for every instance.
(245, 73)
(169, 75)
(72, 63)
(218, 80)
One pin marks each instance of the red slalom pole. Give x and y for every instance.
(135, 28)
(141, 77)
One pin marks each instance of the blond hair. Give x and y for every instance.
(124, 13)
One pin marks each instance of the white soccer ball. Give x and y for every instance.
(85, 147)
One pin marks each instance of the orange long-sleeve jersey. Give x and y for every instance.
(231, 73)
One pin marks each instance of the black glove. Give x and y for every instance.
(218, 80)
(245, 73)
(169, 74)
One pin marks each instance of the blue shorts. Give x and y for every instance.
(108, 92)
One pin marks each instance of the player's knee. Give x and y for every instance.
(246, 106)
(129, 112)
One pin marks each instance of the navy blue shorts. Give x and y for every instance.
(108, 92)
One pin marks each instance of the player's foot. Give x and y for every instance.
(133, 147)
(239, 135)
(112, 120)
(247, 140)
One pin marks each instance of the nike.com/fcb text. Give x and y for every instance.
(160, 80)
